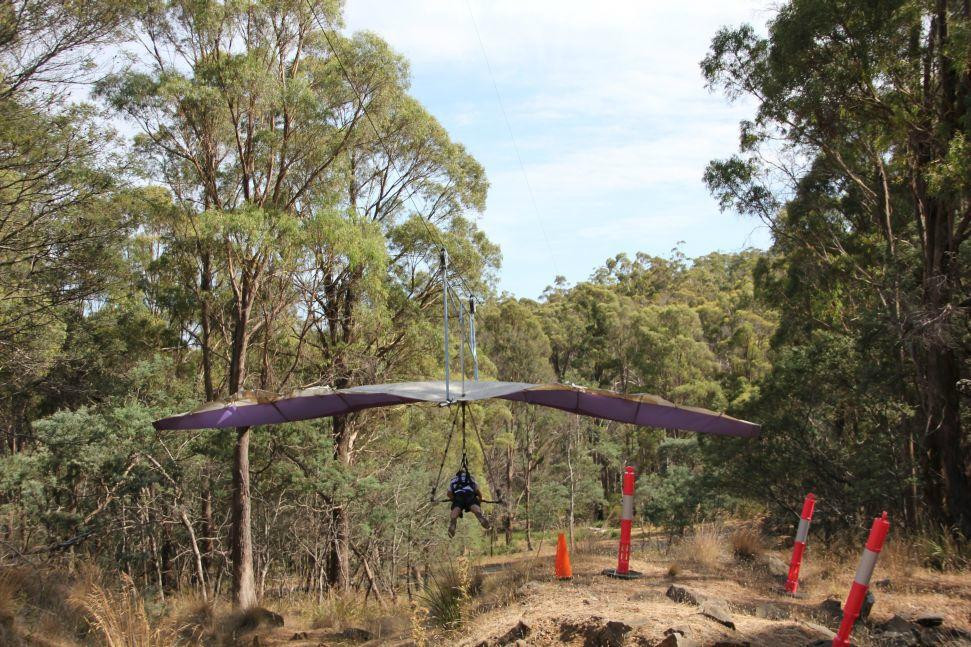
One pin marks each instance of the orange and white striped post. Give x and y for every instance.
(626, 520)
(861, 581)
(799, 547)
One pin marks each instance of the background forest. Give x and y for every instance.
(251, 200)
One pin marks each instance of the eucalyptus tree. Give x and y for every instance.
(292, 156)
(243, 117)
(369, 280)
(857, 159)
(57, 185)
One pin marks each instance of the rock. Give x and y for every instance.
(896, 624)
(775, 566)
(356, 633)
(885, 583)
(771, 611)
(676, 640)
(717, 610)
(950, 636)
(596, 632)
(258, 618)
(521, 630)
(614, 633)
(897, 639)
(929, 620)
(679, 629)
(300, 635)
(820, 629)
(683, 595)
(868, 603)
(831, 607)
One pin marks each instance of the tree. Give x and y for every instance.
(857, 160)
(59, 225)
(282, 146)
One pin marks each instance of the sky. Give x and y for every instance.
(591, 120)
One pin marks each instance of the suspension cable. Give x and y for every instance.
(448, 443)
(485, 457)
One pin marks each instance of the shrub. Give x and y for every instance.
(944, 550)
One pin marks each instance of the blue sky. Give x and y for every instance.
(607, 108)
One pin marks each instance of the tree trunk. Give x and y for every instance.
(944, 438)
(508, 495)
(244, 586)
(527, 490)
(338, 563)
(573, 486)
(196, 553)
(208, 528)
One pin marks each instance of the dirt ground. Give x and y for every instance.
(555, 612)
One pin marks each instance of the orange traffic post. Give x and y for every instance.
(799, 547)
(563, 569)
(626, 522)
(861, 581)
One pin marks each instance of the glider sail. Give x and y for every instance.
(252, 408)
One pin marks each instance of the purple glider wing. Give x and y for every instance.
(253, 408)
(637, 409)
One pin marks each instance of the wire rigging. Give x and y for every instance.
(448, 443)
(512, 138)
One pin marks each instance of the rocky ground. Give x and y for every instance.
(728, 603)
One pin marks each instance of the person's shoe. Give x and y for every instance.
(451, 528)
(485, 523)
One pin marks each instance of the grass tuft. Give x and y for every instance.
(703, 546)
(448, 592)
(747, 544)
(119, 616)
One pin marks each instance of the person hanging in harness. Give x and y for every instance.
(465, 496)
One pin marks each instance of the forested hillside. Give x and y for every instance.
(249, 198)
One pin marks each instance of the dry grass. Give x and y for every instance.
(898, 560)
(704, 546)
(35, 609)
(747, 544)
(118, 616)
(337, 611)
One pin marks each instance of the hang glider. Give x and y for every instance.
(253, 408)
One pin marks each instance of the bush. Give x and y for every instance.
(944, 550)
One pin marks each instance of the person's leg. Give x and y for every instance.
(477, 511)
(456, 511)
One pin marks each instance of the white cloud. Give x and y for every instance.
(608, 111)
